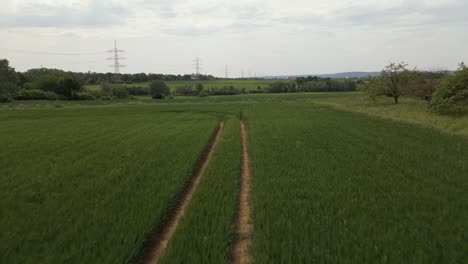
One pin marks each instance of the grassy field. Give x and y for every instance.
(409, 110)
(87, 185)
(208, 224)
(239, 84)
(336, 179)
(337, 187)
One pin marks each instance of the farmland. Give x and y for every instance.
(247, 84)
(332, 186)
(332, 181)
(93, 182)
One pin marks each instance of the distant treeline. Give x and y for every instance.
(90, 78)
(312, 84)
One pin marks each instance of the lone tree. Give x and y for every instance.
(159, 90)
(396, 79)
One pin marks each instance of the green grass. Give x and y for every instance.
(205, 232)
(336, 179)
(338, 187)
(248, 85)
(409, 110)
(87, 185)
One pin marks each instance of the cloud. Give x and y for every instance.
(45, 15)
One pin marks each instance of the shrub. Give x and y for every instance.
(138, 90)
(199, 87)
(119, 91)
(424, 84)
(64, 87)
(225, 90)
(159, 90)
(47, 83)
(186, 90)
(204, 93)
(8, 91)
(106, 89)
(36, 94)
(451, 96)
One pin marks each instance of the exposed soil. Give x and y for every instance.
(164, 234)
(241, 252)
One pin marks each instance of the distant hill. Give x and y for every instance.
(350, 75)
(331, 75)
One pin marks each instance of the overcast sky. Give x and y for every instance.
(266, 37)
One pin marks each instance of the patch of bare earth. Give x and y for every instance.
(162, 237)
(241, 250)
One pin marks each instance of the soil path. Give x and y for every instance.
(241, 253)
(157, 246)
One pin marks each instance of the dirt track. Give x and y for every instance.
(241, 252)
(157, 247)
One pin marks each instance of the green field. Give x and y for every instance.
(336, 178)
(239, 84)
(87, 185)
(332, 186)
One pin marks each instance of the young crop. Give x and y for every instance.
(205, 233)
(336, 187)
(88, 185)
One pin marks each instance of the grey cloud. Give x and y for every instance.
(409, 15)
(39, 15)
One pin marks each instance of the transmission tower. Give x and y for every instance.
(115, 57)
(197, 66)
(226, 71)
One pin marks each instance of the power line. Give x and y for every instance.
(115, 57)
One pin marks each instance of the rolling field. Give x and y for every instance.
(92, 182)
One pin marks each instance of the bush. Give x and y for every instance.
(424, 84)
(5, 99)
(225, 90)
(119, 91)
(138, 90)
(159, 90)
(36, 94)
(8, 91)
(199, 87)
(282, 87)
(204, 93)
(186, 90)
(451, 96)
(64, 87)
(106, 89)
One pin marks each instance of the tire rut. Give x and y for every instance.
(161, 239)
